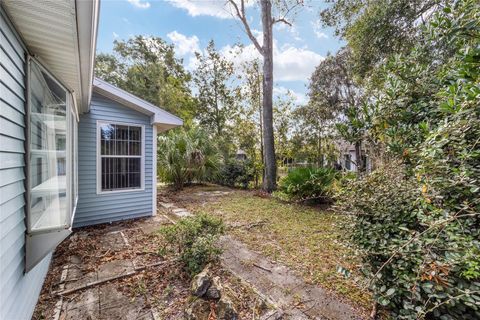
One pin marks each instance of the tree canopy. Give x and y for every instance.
(148, 68)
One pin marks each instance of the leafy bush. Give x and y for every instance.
(235, 173)
(421, 256)
(194, 239)
(308, 183)
(418, 219)
(187, 156)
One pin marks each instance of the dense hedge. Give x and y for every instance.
(418, 218)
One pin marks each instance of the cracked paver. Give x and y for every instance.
(282, 287)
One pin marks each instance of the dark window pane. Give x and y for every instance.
(135, 149)
(121, 148)
(121, 173)
(135, 133)
(120, 131)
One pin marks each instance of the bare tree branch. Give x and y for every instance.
(274, 20)
(240, 13)
(284, 18)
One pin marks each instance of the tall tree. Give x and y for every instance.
(250, 93)
(282, 125)
(333, 90)
(213, 79)
(314, 128)
(148, 68)
(377, 29)
(266, 50)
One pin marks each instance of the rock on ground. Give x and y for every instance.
(200, 283)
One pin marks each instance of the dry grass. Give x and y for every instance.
(309, 240)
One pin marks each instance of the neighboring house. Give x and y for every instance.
(241, 155)
(348, 158)
(74, 151)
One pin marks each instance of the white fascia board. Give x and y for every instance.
(162, 119)
(87, 15)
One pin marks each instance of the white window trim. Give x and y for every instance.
(99, 159)
(154, 171)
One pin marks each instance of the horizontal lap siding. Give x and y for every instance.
(18, 291)
(96, 208)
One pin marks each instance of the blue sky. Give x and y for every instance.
(191, 24)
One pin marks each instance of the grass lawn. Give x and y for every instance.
(309, 240)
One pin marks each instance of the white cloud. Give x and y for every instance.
(293, 30)
(294, 64)
(317, 29)
(321, 35)
(184, 45)
(299, 98)
(115, 35)
(140, 4)
(289, 63)
(215, 8)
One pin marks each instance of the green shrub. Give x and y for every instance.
(194, 239)
(418, 219)
(187, 156)
(420, 256)
(236, 173)
(308, 183)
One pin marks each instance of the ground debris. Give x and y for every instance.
(121, 271)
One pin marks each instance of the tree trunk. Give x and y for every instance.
(270, 182)
(358, 156)
(319, 152)
(260, 115)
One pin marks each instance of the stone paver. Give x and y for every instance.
(216, 193)
(103, 299)
(181, 213)
(282, 287)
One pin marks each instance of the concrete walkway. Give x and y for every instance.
(281, 287)
(288, 293)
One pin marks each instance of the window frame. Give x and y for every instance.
(99, 157)
(69, 109)
(42, 241)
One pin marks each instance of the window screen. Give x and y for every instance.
(121, 157)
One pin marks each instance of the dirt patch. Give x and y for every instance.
(120, 271)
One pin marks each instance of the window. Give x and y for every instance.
(364, 162)
(50, 129)
(121, 157)
(348, 162)
(51, 164)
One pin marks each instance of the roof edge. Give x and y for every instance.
(87, 16)
(159, 117)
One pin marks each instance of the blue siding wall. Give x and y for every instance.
(18, 291)
(93, 208)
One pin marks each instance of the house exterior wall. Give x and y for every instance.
(96, 208)
(18, 290)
